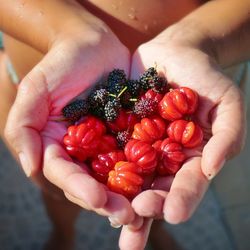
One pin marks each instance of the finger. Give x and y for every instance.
(26, 119)
(77, 201)
(228, 129)
(118, 209)
(187, 190)
(150, 202)
(135, 239)
(136, 224)
(70, 177)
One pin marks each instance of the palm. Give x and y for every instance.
(67, 71)
(220, 114)
(73, 178)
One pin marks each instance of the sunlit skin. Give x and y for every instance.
(77, 40)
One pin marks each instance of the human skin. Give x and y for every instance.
(46, 92)
(62, 36)
(182, 50)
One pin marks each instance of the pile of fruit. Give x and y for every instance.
(127, 130)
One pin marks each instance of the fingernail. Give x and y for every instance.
(210, 175)
(114, 222)
(25, 165)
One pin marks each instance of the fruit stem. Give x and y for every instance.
(123, 90)
(133, 99)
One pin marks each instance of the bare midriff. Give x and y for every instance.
(133, 21)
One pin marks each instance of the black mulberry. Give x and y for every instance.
(75, 110)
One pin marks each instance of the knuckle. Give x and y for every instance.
(11, 134)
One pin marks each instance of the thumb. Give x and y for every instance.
(229, 132)
(26, 119)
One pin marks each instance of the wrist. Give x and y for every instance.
(40, 23)
(79, 27)
(218, 28)
(188, 33)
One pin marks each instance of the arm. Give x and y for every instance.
(220, 27)
(40, 23)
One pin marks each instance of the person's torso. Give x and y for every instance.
(133, 21)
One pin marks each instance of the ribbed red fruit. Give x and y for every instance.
(188, 133)
(177, 103)
(171, 156)
(143, 154)
(149, 129)
(104, 163)
(124, 122)
(125, 179)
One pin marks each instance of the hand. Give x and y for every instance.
(221, 114)
(75, 61)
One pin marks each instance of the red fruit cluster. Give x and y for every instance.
(122, 152)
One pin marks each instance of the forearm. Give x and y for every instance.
(38, 23)
(220, 27)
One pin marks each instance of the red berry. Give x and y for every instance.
(125, 179)
(149, 130)
(107, 144)
(81, 141)
(187, 133)
(151, 94)
(95, 124)
(171, 156)
(157, 145)
(124, 121)
(177, 103)
(104, 163)
(143, 154)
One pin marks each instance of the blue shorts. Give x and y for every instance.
(11, 71)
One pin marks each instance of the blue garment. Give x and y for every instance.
(10, 70)
(1, 40)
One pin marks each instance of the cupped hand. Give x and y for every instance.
(70, 68)
(221, 114)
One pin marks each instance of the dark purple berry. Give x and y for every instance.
(134, 88)
(145, 107)
(75, 110)
(99, 97)
(123, 138)
(111, 109)
(116, 81)
(148, 78)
